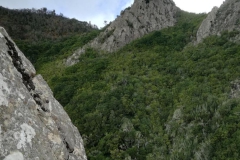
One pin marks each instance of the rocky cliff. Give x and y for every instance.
(142, 17)
(220, 19)
(33, 125)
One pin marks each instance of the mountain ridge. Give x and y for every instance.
(141, 18)
(37, 25)
(224, 18)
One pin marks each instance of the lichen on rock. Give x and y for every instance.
(16, 155)
(25, 136)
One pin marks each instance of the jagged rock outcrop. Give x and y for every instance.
(142, 17)
(205, 28)
(220, 19)
(33, 125)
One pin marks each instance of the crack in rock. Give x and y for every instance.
(27, 79)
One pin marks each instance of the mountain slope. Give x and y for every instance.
(155, 100)
(115, 98)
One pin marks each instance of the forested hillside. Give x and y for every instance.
(34, 25)
(159, 97)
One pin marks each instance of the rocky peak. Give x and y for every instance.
(33, 125)
(142, 17)
(227, 17)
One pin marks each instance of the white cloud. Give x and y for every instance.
(198, 6)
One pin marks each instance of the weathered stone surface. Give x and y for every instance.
(142, 17)
(218, 20)
(205, 28)
(33, 125)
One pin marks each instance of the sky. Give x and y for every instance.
(98, 11)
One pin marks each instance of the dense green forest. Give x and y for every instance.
(159, 97)
(37, 25)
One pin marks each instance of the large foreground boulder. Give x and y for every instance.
(33, 125)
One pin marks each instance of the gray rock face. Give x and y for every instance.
(33, 125)
(142, 17)
(205, 28)
(220, 19)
